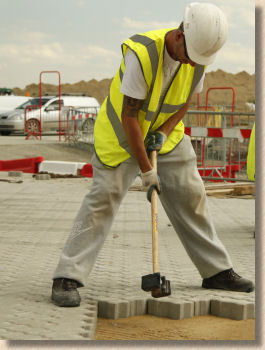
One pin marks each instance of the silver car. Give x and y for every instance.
(14, 121)
(29, 117)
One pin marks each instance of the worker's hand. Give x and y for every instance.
(155, 141)
(150, 182)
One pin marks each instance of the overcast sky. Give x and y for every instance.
(82, 38)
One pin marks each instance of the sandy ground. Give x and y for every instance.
(155, 328)
(60, 152)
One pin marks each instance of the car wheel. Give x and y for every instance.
(5, 133)
(33, 125)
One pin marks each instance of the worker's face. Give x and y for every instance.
(179, 49)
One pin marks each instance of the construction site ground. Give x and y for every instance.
(37, 216)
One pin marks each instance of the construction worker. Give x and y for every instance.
(149, 96)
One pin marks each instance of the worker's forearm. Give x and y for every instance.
(134, 137)
(170, 124)
(133, 132)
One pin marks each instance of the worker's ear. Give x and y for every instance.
(178, 34)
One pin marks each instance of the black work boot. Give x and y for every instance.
(228, 280)
(65, 293)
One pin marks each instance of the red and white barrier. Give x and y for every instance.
(231, 133)
(38, 165)
(27, 165)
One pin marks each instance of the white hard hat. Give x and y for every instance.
(205, 30)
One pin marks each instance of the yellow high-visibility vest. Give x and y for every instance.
(251, 156)
(110, 141)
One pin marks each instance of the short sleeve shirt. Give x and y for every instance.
(133, 82)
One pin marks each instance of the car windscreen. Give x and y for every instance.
(33, 101)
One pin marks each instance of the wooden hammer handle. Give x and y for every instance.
(154, 218)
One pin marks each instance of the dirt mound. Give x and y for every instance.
(243, 84)
(97, 89)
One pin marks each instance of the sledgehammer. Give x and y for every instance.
(154, 283)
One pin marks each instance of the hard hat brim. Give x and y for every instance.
(195, 57)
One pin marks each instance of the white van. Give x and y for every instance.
(9, 102)
(27, 115)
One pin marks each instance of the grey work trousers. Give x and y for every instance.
(183, 198)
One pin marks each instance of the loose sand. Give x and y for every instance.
(155, 328)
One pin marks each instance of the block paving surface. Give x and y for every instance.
(37, 216)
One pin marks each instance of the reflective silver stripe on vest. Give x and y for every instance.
(149, 115)
(117, 126)
(198, 72)
(154, 59)
(166, 108)
(121, 74)
(152, 52)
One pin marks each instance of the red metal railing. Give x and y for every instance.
(222, 88)
(59, 94)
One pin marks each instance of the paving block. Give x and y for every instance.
(234, 310)
(138, 307)
(42, 177)
(15, 173)
(113, 309)
(89, 323)
(174, 310)
(121, 309)
(202, 307)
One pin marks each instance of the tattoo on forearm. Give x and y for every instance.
(131, 106)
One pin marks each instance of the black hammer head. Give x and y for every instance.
(164, 289)
(158, 286)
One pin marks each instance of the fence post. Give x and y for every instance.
(59, 87)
